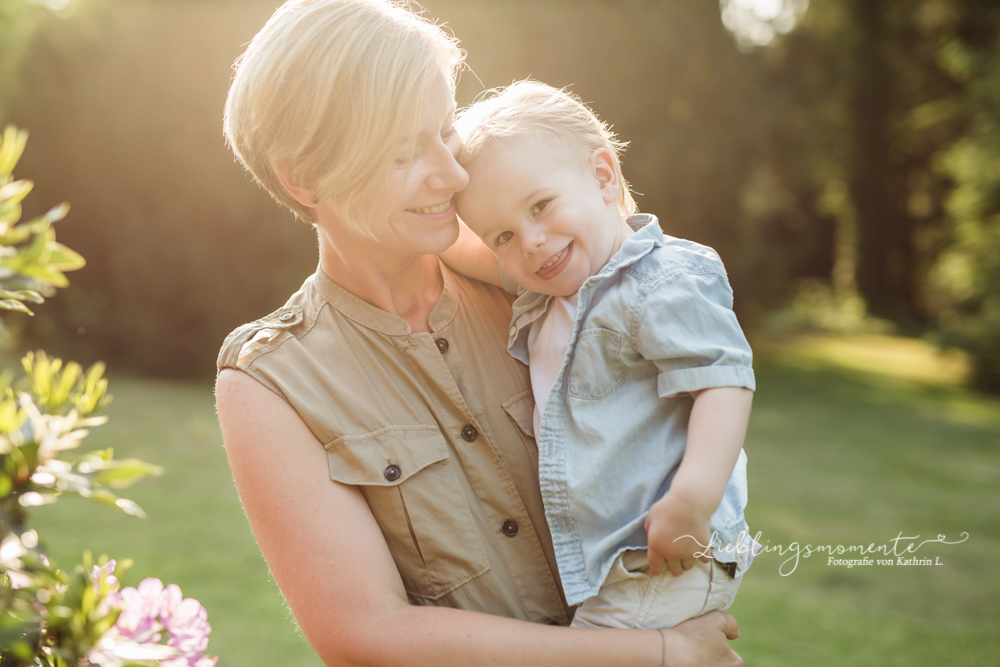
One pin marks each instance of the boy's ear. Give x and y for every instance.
(303, 195)
(602, 162)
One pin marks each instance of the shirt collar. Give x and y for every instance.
(376, 319)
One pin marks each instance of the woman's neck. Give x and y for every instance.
(408, 286)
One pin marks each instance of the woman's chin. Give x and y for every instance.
(434, 239)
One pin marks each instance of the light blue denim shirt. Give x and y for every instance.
(655, 323)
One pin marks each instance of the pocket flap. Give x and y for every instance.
(366, 460)
(521, 409)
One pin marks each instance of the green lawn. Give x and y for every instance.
(852, 442)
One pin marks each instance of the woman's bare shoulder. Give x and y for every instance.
(318, 536)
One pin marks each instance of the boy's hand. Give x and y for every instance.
(677, 531)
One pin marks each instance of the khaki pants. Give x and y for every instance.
(632, 598)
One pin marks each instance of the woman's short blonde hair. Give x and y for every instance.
(534, 108)
(323, 94)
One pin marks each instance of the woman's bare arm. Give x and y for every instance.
(329, 558)
(470, 257)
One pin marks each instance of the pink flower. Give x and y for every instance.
(151, 608)
(188, 627)
(142, 605)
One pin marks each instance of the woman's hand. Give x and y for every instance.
(703, 641)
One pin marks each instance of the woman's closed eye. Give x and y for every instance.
(405, 161)
(409, 159)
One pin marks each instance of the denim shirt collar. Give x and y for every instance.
(530, 306)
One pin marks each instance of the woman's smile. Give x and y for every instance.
(431, 210)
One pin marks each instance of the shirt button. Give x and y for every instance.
(284, 317)
(513, 331)
(509, 528)
(442, 345)
(393, 472)
(469, 433)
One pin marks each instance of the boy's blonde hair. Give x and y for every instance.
(534, 108)
(324, 92)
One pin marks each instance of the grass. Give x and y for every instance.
(196, 535)
(855, 441)
(852, 441)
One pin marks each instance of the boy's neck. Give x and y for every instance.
(622, 232)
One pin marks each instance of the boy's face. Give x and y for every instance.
(549, 214)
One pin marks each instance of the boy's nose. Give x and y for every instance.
(532, 242)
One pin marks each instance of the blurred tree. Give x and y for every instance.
(125, 105)
(892, 119)
(809, 146)
(871, 106)
(17, 21)
(125, 108)
(966, 279)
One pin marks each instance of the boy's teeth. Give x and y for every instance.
(427, 210)
(553, 260)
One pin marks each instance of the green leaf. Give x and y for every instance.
(124, 504)
(28, 295)
(15, 192)
(15, 235)
(45, 275)
(66, 384)
(57, 213)
(11, 148)
(130, 507)
(22, 650)
(64, 259)
(13, 304)
(120, 474)
(10, 212)
(34, 250)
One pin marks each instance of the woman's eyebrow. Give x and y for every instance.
(450, 116)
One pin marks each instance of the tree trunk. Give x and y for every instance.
(884, 268)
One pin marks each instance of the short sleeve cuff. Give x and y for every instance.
(671, 383)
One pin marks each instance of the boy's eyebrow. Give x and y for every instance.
(533, 194)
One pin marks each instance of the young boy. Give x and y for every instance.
(641, 374)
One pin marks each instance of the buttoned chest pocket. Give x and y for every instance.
(406, 475)
(597, 369)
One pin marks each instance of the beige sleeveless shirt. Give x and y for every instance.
(434, 428)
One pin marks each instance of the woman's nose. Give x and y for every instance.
(447, 173)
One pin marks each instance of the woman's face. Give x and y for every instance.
(421, 186)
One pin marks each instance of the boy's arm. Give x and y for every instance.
(716, 430)
(470, 257)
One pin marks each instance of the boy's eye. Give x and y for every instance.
(504, 237)
(449, 133)
(540, 206)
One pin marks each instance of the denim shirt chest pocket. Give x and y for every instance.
(407, 477)
(597, 369)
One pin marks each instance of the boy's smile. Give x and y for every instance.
(549, 212)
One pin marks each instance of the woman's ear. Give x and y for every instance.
(305, 196)
(602, 162)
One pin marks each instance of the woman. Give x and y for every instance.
(378, 433)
